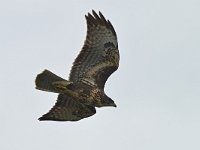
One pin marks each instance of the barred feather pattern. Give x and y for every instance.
(94, 58)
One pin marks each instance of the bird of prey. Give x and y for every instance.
(84, 90)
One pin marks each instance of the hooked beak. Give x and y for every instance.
(114, 105)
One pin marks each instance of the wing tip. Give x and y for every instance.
(47, 118)
(44, 117)
(95, 19)
(41, 119)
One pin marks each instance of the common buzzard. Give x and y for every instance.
(84, 90)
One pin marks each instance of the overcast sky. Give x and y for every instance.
(156, 88)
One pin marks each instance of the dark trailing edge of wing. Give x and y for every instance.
(67, 109)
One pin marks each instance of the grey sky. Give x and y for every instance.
(157, 87)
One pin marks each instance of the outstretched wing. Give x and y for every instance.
(99, 57)
(67, 109)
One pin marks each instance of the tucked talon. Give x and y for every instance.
(61, 86)
(62, 83)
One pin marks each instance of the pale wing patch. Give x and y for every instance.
(90, 75)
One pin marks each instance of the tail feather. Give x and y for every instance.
(45, 79)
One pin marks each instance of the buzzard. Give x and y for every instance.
(84, 90)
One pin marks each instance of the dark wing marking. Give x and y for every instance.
(99, 57)
(67, 109)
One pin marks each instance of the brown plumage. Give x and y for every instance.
(84, 90)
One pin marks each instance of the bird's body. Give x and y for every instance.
(84, 90)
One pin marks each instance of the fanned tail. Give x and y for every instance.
(45, 79)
